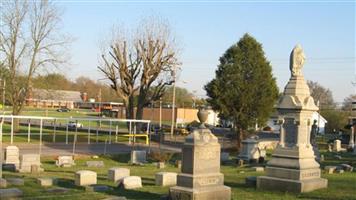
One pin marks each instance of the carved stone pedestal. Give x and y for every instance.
(200, 177)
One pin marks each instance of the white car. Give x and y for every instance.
(73, 124)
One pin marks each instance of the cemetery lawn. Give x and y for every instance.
(340, 186)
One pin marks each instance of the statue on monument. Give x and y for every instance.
(297, 59)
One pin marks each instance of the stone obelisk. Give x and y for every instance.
(293, 166)
(201, 177)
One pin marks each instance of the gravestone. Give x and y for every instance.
(28, 161)
(131, 182)
(250, 181)
(97, 188)
(45, 182)
(166, 178)
(224, 156)
(200, 177)
(337, 146)
(10, 194)
(95, 163)
(65, 161)
(258, 169)
(293, 166)
(85, 177)
(178, 164)
(330, 169)
(12, 155)
(138, 157)
(249, 151)
(115, 174)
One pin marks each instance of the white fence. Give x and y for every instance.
(112, 126)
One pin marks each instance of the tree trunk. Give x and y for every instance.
(239, 132)
(16, 111)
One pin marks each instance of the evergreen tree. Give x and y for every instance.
(244, 88)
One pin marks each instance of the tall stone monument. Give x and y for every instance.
(293, 166)
(201, 177)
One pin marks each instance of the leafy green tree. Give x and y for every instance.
(244, 88)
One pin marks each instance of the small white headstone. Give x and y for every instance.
(95, 163)
(131, 182)
(28, 160)
(337, 145)
(12, 156)
(45, 182)
(166, 179)
(116, 173)
(65, 161)
(85, 177)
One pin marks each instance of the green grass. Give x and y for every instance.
(340, 187)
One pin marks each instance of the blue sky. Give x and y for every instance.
(326, 31)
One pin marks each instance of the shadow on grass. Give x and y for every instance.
(133, 194)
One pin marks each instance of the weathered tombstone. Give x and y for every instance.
(115, 174)
(27, 161)
(166, 178)
(337, 145)
(250, 150)
(258, 169)
(12, 156)
(11, 193)
(45, 182)
(85, 177)
(95, 163)
(224, 157)
(97, 188)
(251, 181)
(330, 169)
(178, 164)
(293, 166)
(161, 165)
(201, 177)
(131, 182)
(138, 157)
(65, 161)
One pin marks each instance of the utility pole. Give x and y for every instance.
(160, 113)
(173, 99)
(1, 124)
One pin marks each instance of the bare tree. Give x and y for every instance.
(141, 66)
(321, 94)
(29, 43)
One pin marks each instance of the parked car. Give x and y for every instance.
(63, 110)
(73, 124)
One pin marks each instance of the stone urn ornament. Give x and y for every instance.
(202, 116)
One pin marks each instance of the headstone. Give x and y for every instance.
(59, 190)
(160, 165)
(15, 181)
(95, 163)
(65, 161)
(330, 149)
(138, 157)
(258, 169)
(251, 181)
(3, 183)
(200, 177)
(337, 145)
(224, 156)
(12, 156)
(330, 169)
(178, 164)
(131, 182)
(293, 167)
(27, 160)
(115, 198)
(250, 150)
(166, 178)
(115, 174)
(340, 171)
(240, 162)
(45, 182)
(322, 158)
(85, 177)
(97, 188)
(10, 194)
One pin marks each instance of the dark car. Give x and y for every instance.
(63, 110)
